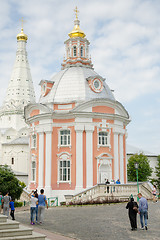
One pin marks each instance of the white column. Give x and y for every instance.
(121, 159)
(41, 160)
(125, 153)
(89, 155)
(79, 157)
(48, 159)
(116, 166)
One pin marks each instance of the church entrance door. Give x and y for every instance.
(104, 168)
(105, 173)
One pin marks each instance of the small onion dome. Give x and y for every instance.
(76, 32)
(22, 36)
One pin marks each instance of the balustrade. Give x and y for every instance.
(116, 191)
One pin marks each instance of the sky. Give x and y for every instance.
(124, 40)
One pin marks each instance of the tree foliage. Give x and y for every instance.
(144, 169)
(9, 183)
(157, 172)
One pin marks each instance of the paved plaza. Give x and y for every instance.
(101, 222)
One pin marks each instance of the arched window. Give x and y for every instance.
(34, 141)
(81, 51)
(33, 171)
(68, 53)
(102, 138)
(74, 51)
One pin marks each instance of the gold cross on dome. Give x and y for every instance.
(76, 12)
(22, 22)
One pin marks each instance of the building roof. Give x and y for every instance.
(20, 173)
(19, 141)
(135, 150)
(71, 84)
(3, 130)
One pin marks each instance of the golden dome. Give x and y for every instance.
(22, 36)
(76, 32)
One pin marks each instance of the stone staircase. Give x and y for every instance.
(13, 230)
(100, 192)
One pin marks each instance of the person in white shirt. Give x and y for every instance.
(34, 201)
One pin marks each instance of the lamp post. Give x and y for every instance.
(136, 167)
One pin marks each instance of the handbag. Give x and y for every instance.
(135, 209)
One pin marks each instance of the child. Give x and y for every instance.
(1, 202)
(12, 209)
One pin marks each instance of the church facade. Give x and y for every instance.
(77, 129)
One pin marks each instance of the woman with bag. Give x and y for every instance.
(132, 212)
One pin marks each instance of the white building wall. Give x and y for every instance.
(20, 153)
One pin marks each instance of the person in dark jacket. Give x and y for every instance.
(132, 213)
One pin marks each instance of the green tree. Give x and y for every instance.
(9, 183)
(157, 172)
(144, 169)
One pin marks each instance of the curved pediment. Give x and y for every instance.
(102, 106)
(35, 109)
(104, 156)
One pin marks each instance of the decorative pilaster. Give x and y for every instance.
(116, 172)
(121, 158)
(48, 163)
(41, 160)
(89, 155)
(79, 157)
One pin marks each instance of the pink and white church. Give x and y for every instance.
(77, 129)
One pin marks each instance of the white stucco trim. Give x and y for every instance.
(79, 157)
(41, 160)
(48, 167)
(89, 155)
(121, 158)
(116, 165)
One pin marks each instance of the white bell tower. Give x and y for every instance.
(20, 90)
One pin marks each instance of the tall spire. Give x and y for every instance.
(20, 91)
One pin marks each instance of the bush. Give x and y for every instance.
(95, 201)
(18, 204)
(9, 183)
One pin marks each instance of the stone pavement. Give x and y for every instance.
(101, 222)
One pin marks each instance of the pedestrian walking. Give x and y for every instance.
(36, 195)
(34, 201)
(143, 211)
(132, 207)
(11, 204)
(42, 201)
(154, 193)
(1, 202)
(6, 201)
